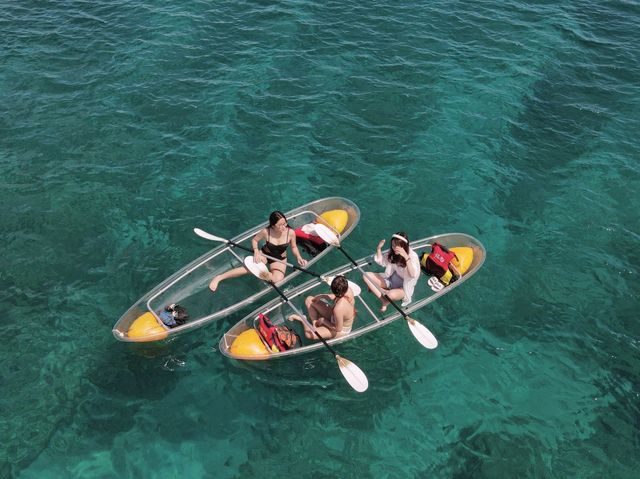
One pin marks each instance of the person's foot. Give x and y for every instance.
(266, 276)
(295, 317)
(383, 308)
(214, 284)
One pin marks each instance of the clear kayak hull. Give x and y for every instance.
(368, 318)
(190, 286)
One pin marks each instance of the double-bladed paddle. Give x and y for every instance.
(351, 372)
(421, 333)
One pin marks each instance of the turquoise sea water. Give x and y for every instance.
(125, 124)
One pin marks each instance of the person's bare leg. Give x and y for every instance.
(277, 271)
(313, 312)
(375, 283)
(296, 317)
(232, 273)
(308, 332)
(322, 331)
(317, 310)
(393, 294)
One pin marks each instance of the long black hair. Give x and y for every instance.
(396, 258)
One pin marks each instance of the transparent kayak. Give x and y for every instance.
(189, 287)
(242, 341)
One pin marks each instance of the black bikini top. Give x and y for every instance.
(275, 250)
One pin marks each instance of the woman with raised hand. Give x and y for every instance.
(277, 237)
(402, 270)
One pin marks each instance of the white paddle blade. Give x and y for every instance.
(259, 270)
(355, 289)
(208, 236)
(327, 235)
(422, 334)
(353, 374)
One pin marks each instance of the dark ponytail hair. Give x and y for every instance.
(275, 217)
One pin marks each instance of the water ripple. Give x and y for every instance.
(125, 124)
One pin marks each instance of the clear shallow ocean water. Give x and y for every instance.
(124, 125)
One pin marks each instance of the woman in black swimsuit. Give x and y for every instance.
(277, 236)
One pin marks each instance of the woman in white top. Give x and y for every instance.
(401, 273)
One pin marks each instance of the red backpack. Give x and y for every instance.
(275, 338)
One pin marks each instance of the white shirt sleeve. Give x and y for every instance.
(381, 260)
(410, 283)
(415, 261)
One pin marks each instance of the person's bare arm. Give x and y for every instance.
(296, 252)
(257, 254)
(339, 313)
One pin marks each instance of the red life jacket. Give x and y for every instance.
(275, 338)
(312, 244)
(313, 238)
(437, 262)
